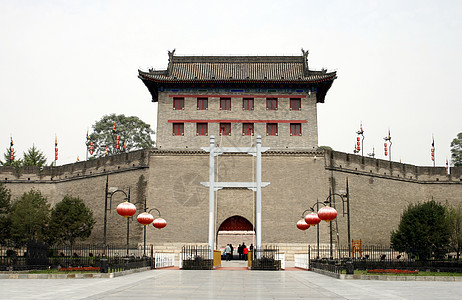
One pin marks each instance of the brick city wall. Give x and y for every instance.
(170, 181)
(166, 140)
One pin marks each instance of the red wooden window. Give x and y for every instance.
(225, 128)
(178, 103)
(178, 128)
(201, 129)
(271, 103)
(202, 103)
(272, 129)
(225, 103)
(247, 104)
(295, 129)
(295, 104)
(247, 128)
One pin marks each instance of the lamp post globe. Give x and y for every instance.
(145, 218)
(312, 219)
(302, 225)
(327, 213)
(159, 223)
(126, 209)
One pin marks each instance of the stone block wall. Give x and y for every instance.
(308, 112)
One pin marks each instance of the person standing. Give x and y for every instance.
(245, 251)
(239, 251)
(232, 251)
(227, 252)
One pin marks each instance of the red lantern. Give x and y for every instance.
(301, 224)
(327, 213)
(91, 148)
(159, 223)
(145, 218)
(126, 209)
(118, 143)
(312, 219)
(357, 139)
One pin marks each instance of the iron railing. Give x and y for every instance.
(266, 259)
(40, 256)
(197, 257)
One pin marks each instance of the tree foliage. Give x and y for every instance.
(34, 157)
(70, 220)
(423, 231)
(456, 150)
(5, 206)
(455, 226)
(17, 162)
(29, 218)
(133, 132)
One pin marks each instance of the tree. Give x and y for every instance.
(455, 226)
(456, 150)
(70, 220)
(5, 206)
(17, 162)
(34, 157)
(423, 231)
(132, 132)
(29, 218)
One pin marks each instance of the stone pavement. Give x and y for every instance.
(184, 284)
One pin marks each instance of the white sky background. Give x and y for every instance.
(65, 64)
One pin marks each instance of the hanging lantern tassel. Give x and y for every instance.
(126, 209)
(327, 213)
(159, 223)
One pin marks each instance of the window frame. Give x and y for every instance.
(248, 106)
(178, 126)
(178, 107)
(270, 102)
(202, 126)
(223, 127)
(271, 132)
(249, 129)
(297, 129)
(294, 101)
(202, 100)
(223, 103)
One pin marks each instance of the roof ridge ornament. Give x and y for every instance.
(306, 70)
(170, 61)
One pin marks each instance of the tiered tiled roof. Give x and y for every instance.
(237, 69)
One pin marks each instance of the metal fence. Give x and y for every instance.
(375, 257)
(196, 257)
(36, 255)
(266, 259)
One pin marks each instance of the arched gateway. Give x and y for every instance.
(235, 230)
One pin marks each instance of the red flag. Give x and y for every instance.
(88, 137)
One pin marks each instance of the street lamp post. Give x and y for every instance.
(327, 213)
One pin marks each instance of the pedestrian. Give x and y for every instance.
(239, 251)
(245, 251)
(227, 252)
(232, 251)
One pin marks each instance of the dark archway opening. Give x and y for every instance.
(235, 230)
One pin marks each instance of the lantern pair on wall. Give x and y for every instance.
(127, 209)
(326, 213)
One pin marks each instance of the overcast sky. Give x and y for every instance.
(65, 64)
